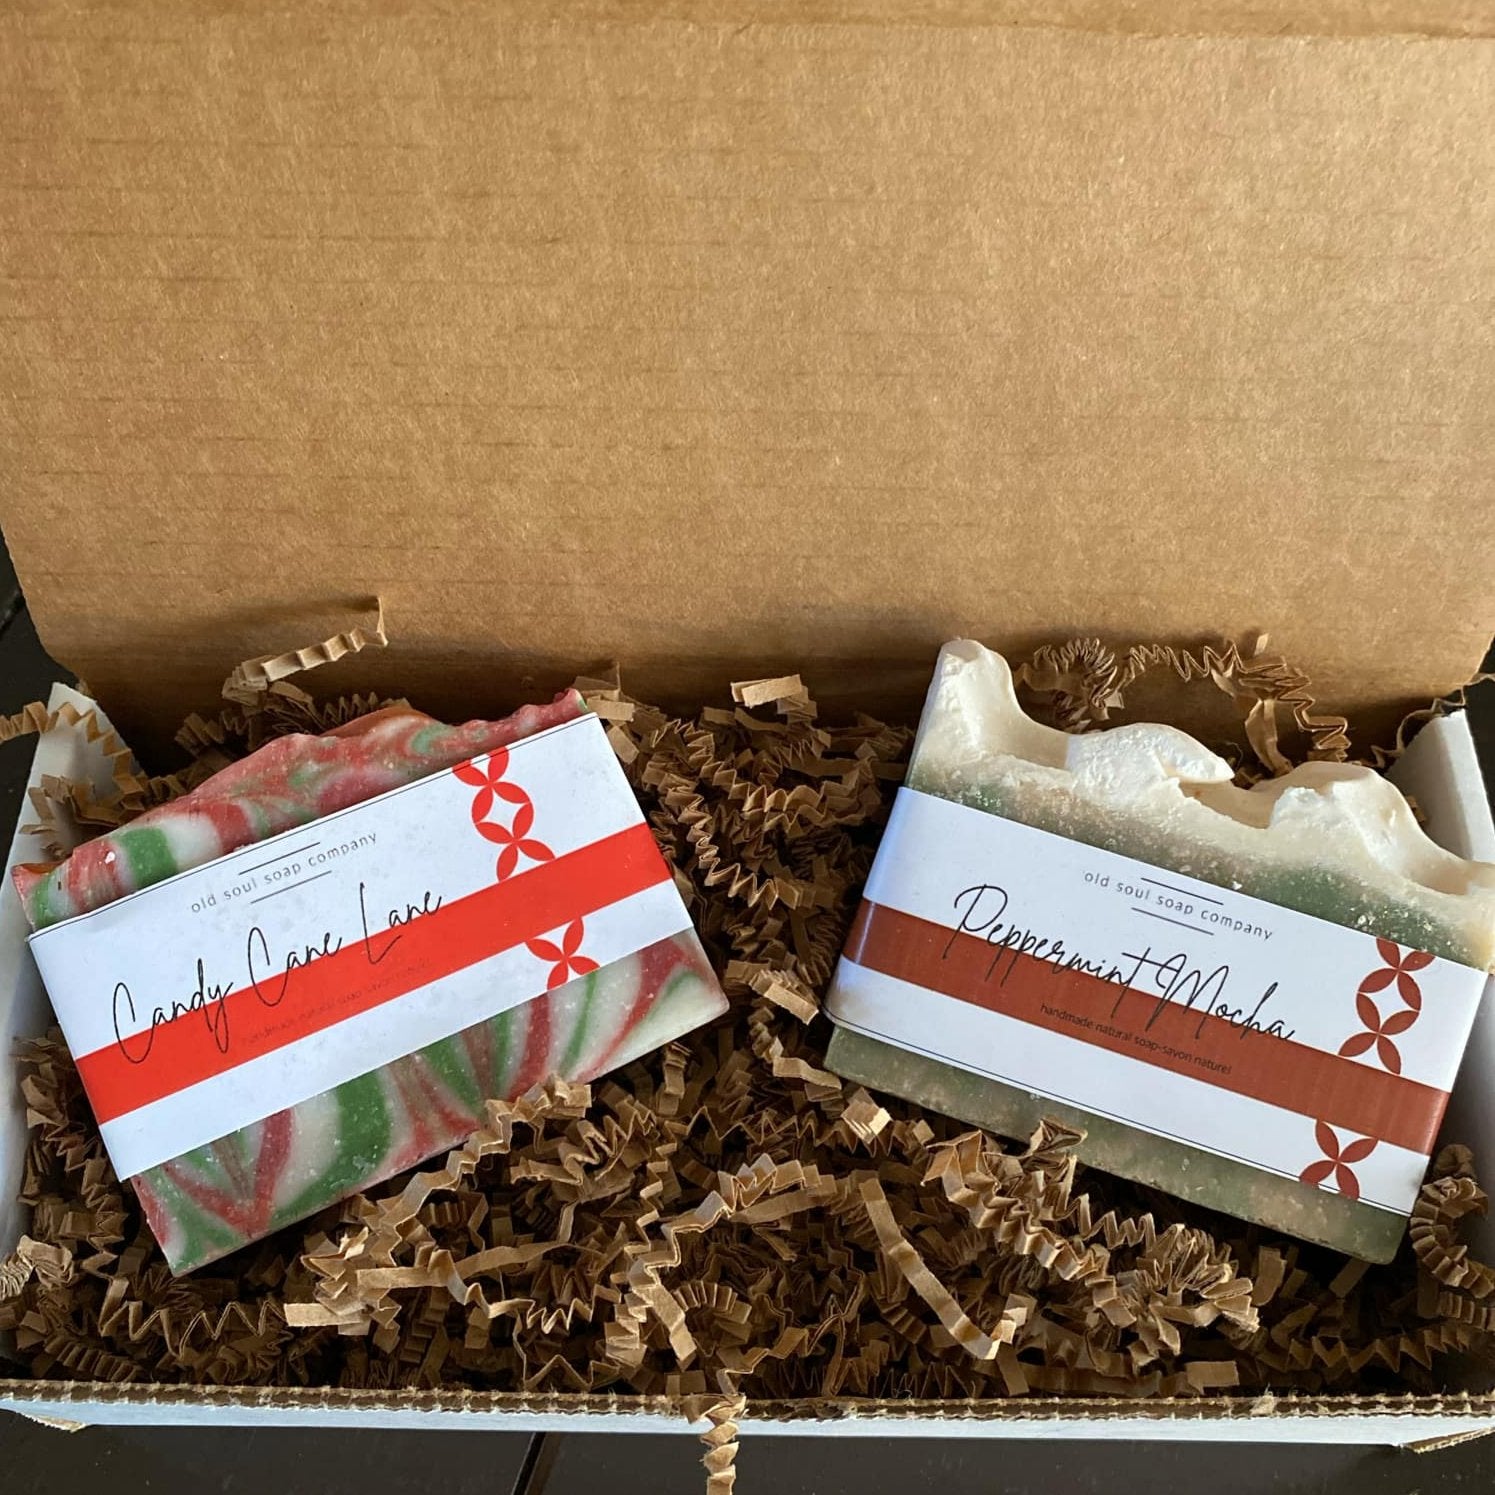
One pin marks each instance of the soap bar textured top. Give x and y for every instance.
(1333, 840)
(289, 782)
(216, 1197)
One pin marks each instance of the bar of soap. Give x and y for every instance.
(1334, 841)
(217, 1197)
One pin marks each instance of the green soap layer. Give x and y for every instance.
(149, 854)
(1203, 1178)
(582, 1027)
(364, 1130)
(449, 1058)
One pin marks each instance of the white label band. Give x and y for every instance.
(247, 985)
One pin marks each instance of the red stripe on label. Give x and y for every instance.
(364, 974)
(1278, 1071)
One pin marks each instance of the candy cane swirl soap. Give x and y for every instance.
(586, 1015)
(1165, 992)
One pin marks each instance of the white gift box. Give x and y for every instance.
(720, 342)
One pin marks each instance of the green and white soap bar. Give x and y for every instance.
(1255, 998)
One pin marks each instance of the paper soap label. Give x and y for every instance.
(232, 991)
(1302, 1047)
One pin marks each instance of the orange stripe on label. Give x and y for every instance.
(276, 1007)
(1139, 1024)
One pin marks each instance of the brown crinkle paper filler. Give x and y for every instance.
(725, 1222)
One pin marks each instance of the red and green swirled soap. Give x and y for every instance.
(215, 1198)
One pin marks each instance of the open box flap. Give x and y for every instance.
(723, 348)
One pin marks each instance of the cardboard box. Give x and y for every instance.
(720, 344)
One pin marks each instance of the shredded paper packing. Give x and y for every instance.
(725, 1223)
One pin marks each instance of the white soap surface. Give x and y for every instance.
(1335, 840)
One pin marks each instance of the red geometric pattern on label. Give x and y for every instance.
(1378, 1031)
(1336, 1161)
(494, 788)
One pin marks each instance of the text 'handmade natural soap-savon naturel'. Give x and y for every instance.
(314, 970)
(1256, 999)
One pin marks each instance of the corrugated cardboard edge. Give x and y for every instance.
(57, 1424)
(1020, 1410)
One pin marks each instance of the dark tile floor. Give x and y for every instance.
(240, 1461)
